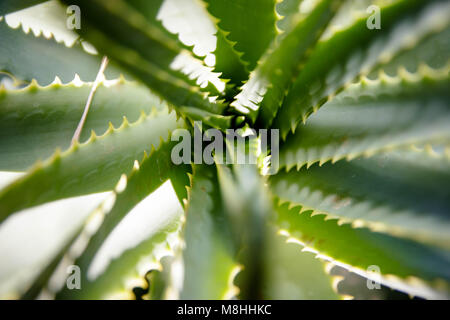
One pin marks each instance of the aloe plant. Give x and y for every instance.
(363, 180)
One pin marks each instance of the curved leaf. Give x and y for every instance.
(249, 24)
(246, 204)
(389, 193)
(267, 85)
(8, 6)
(36, 120)
(370, 117)
(295, 275)
(187, 22)
(148, 54)
(50, 58)
(145, 178)
(357, 50)
(287, 9)
(48, 19)
(404, 265)
(229, 64)
(94, 166)
(432, 51)
(209, 253)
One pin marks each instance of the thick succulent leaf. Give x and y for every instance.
(404, 265)
(394, 193)
(36, 120)
(229, 64)
(48, 19)
(129, 270)
(45, 275)
(238, 184)
(214, 120)
(49, 59)
(150, 10)
(180, 184)
(145, 178)
(374, 116)
(8, 6)
(148, 54)
(287, 9)
(432, 51)
(250, 24)
(100, 16)
(31, 239)
(188, 23)
(268, 83)
(189, 20)
(357, 50)
(93, 166)
(185, 21)
(293, 274)
(209, 256)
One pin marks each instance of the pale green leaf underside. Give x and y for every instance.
(125, 270)
(357, 50)
(432, 51)
(239, 184)
(388, 209)
(91, 167)
(287, 9)
(250, 24)
(152, 172)
(370, 117)
(391, 193)
(402, 262)
(27, 57)
(37, 120)
(9, 6)
(272, 77)
(42, 279)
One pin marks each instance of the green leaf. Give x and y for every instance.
(357, 50)
(42, 279)
(393, 193)
(50, 59)
(48, 19)
(404, 265)
(239, 184)
(293, 274)
(152, 172)
(229, 64)
(188, 23)
(287, 9)
(370, 117)
(8, 6)
(431, 51)
(269, 82)
(211, 119)
(91, 167)
(185, 21)
(209, 254)
(37, 120)
(181, 183)
(250, 24)
(148, 54)
(125, 273)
